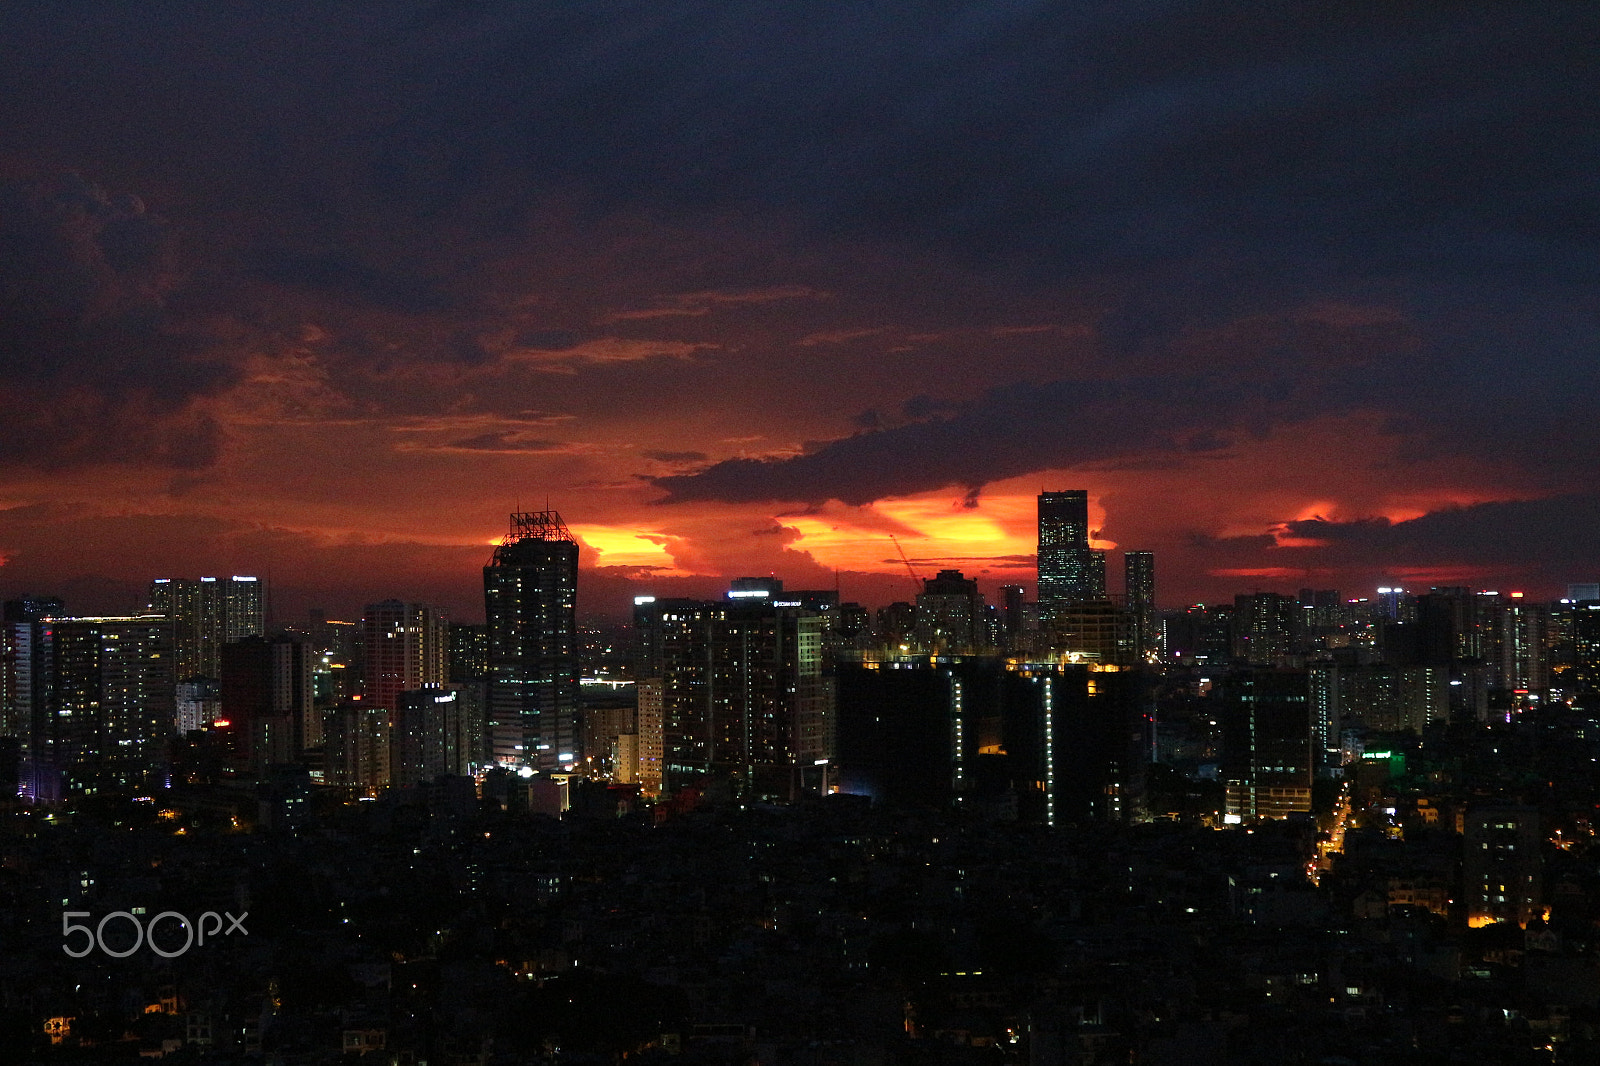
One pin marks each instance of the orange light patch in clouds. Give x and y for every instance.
(935, 529)
(624, 546)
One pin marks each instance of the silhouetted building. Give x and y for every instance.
(1139, 586)
(1263, 628)
(530, 601)
(1269, 744)
(469, 652)
(1500, 865)
(268, 701)
(950, 614)
(1198, 635)
(1050, 744)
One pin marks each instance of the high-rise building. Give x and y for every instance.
(439, 731)
(1263, 627)
(530, 601)
(404, 646)
(1139, 583)
(25, 686)
(1270, 746)
(743, 689)
(1048, 743)
(1501, 870)
(267, 700)
(112, 703)
(1067, 566)
(357, 739)
(205, 615)
(469, 652)
(950, 614)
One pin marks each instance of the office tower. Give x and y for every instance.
(743, 690)
(268, 700)
(112, 703)
(1067, 566)
(530, 601)
(25, 687)
(950, 614)
(206, 614)
(1269, 744)
(1139, 584)
(403, 647)
(1501, 868)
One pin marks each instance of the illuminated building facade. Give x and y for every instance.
(112, 704)
(530, 601)
(25, 673)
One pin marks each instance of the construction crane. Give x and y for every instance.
(916, 582)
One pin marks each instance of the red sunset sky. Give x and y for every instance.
(323, 294)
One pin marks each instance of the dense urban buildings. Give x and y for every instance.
(779, 782)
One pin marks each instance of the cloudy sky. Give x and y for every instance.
(1302, 293)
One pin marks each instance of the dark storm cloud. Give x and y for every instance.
(1008, 432)
(1450, 137)
(1203, 161)
(91, 368)
(1559, 529)
(1561, 532)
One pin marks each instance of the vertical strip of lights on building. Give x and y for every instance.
(1049, 754)
(957, 736)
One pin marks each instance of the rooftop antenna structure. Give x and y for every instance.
(535, 525)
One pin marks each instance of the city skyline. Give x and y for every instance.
(1297, 299)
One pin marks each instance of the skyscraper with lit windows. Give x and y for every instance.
(1069, 571)
(530, 601)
